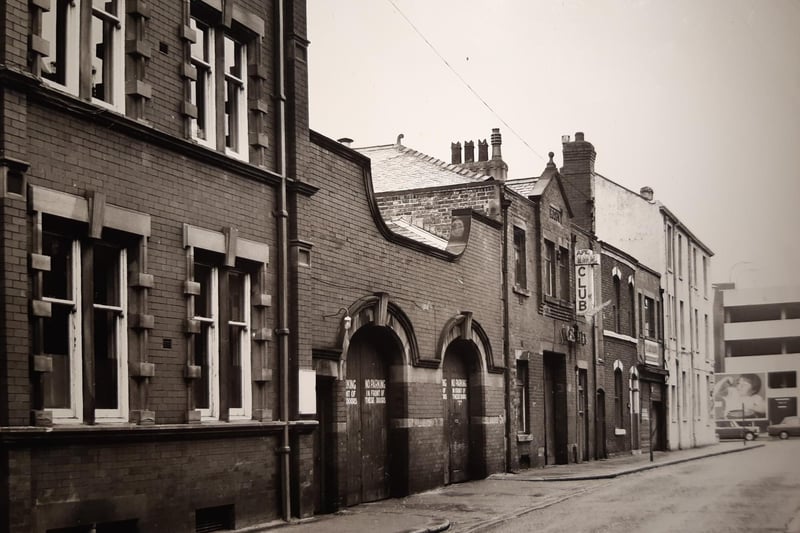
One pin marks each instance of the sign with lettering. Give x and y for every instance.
(652, 352)
(458, 388)
(584, 289)
(350, 397)
(586, 257)
(374, 391)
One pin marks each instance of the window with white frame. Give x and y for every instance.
(523, 397)
(64, 287)
(235, 98)
(649, 316)
(222, 348)
(105, 68)
(619, 414)
(202, 87)
(218, 97)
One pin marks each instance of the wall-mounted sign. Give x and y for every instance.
(584, 289)
(586, 257)
(651, 352)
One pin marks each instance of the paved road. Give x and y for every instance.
(754, 491)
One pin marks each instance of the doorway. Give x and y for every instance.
(555, 409)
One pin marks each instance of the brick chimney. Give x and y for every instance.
(578, 172)
(469, 151)
(483, 150)
(455, 153)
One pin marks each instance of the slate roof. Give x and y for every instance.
(526, 186)
(398, 168)
(402, 227)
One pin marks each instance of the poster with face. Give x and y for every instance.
(740, 396)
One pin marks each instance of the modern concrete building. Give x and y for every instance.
(648, 230)
(761, 342)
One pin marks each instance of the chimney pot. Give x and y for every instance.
(483, 150)
(565, 138)
(646, 193)
(578, 136)
(469, 151)
(347, 141)
(455, 152)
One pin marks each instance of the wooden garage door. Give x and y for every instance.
(456, 391)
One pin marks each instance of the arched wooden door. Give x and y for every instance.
(368, 416)
(455, 391)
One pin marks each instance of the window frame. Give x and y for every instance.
(523, 388)
(204, 67)
(236, 124)
(520, 259)
(116, 78)
(549, 273)
(563, 267)
(76, 355)
(75, 38)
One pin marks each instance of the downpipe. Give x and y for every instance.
(282, 215)
(505, 203)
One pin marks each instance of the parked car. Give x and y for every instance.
(788, 426)
(731, 429)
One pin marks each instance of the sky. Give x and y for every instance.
(698, 99)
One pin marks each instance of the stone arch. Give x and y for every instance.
(463, 327)
(377, 310)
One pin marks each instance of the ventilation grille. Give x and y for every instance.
(214, 519)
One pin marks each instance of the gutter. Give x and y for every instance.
(282, 215)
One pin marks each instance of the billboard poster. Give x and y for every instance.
(740, 396)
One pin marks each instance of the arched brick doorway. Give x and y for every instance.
(367, 404)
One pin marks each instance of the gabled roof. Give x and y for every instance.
(398, 168)
(533, 187)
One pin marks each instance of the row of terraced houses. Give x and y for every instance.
(213, 317)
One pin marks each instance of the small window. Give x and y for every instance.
(555, 213)
(649, 315)
(618, 403)
(563, 274)
(235, 98)
(549, 268)
(202, 88)
(520, 259)
(523, 397)
(782, 380)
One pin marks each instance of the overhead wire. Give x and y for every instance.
(465, 82)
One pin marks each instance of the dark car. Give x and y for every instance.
(731, 429)
(788, 426)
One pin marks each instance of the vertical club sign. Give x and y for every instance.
(585, 261)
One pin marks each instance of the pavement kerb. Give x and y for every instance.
(642, 468)
(433, 528)
(511, 516)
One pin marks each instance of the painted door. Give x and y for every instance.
(456, 391)
(367, 424)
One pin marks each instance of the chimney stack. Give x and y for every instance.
(469, 151)
(483, 150)
(497, 141)
(455, 152)
(646, 193)
(578, 172)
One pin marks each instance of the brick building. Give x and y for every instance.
(648, 230)
(547, 345)
(148, 170)
(631, 373)
(407, 343)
